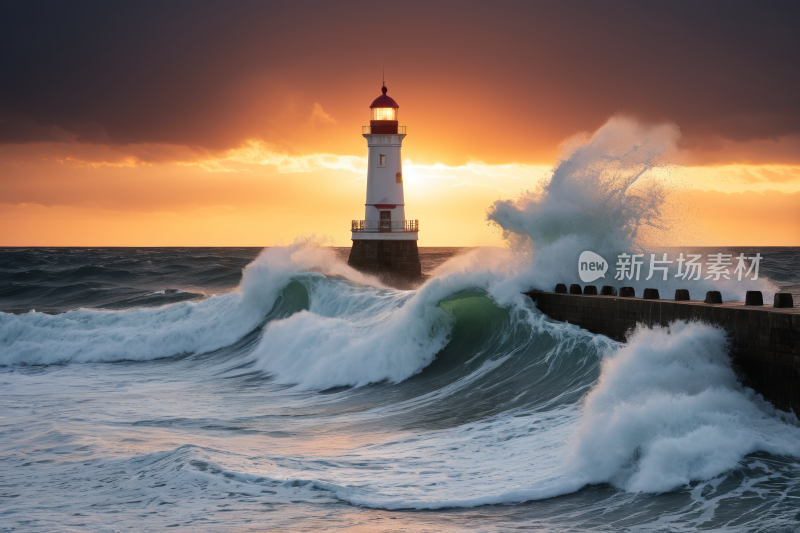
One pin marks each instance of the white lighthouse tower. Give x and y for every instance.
(385, 240)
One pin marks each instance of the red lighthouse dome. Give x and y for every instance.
(384, 102)
(383, 114)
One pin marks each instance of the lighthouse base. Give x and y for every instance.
(386, 256)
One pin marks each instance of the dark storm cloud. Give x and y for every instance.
(213, 73)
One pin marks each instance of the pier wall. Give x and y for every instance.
(765, 341)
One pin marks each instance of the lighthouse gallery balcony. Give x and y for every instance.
(391, 226)
(388, 129)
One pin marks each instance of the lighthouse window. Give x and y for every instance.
(384, 113)
(381, 160)
(399, 177)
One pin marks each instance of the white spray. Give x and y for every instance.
(603, 197)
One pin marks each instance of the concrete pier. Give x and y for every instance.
(765, 340)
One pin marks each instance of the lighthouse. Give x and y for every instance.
(385, 241)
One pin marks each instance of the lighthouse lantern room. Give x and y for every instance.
(384, 240)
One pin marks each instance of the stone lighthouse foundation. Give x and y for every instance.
(400, 257)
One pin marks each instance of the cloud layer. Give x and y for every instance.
(494, 82)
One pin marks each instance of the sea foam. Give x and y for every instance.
(85, 335)
(668, 410)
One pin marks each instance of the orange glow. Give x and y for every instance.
(384, 113)
(255, 136)
(69, 194)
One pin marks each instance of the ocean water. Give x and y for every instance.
(248, 390)
(280, 390)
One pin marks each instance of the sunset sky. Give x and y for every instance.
(239, 123)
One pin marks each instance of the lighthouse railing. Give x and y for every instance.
(393, 226)
(367, 130)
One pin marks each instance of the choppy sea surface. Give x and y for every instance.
(236, 389)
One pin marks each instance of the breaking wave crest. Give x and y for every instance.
(144, 333)
(667, 411)
(604, 196)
